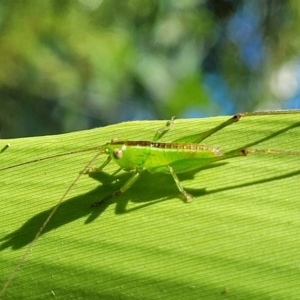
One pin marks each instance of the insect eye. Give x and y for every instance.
(115, 139)
(117, 153)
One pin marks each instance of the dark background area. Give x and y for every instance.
(72, 65)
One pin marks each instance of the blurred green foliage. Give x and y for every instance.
(71, 65)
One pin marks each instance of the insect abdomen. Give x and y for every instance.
(164, 154)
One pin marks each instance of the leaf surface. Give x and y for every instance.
(239, 238)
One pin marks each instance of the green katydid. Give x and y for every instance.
(181, 155)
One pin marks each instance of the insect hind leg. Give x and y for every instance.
(199, 137)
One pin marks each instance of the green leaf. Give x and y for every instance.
(238, 239)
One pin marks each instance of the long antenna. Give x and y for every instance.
(52, 156)
(22, 259)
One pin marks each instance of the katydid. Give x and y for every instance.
(179, 156)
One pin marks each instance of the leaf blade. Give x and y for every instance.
(146, 243)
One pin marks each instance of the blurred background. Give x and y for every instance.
(72, 65)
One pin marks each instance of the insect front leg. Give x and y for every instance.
(123, 188)
(187, 196)
(162, 131)
(94, 170)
